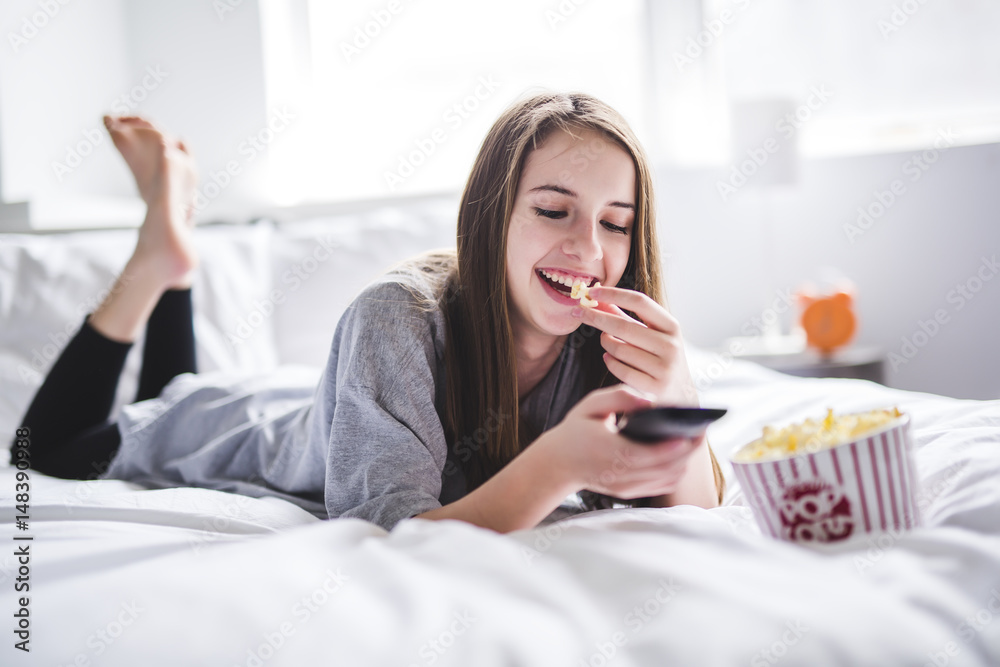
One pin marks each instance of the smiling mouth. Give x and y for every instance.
(561, 287)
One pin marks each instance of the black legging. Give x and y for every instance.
(71, 435)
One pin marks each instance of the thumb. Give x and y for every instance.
(620, 398)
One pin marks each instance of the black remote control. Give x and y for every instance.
(658, 424)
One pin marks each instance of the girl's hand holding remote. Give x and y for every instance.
(587, 449)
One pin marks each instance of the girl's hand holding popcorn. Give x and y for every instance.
(647, 353)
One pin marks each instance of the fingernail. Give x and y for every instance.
(576, 312)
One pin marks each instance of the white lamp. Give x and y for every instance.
(765, 153)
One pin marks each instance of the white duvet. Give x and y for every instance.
(125, 576)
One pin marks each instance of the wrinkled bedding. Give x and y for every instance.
(120, 575)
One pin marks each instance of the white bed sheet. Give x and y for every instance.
(125, 576)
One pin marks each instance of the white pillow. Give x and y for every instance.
(48, 283)
(321, 264)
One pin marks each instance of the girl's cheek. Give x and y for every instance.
(540, 240)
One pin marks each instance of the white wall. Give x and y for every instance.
(931, 238)
(185, 65)
(214, 96)
(54, 87)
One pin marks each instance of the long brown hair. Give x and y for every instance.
(479, 354)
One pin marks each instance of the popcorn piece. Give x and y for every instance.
(582, 292)
(815, 434)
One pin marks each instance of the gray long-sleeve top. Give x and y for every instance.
(366, 442)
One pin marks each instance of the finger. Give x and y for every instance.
(630, 376)
(667, 482)
(652, 481)
(651, 313)
(625, 328)
(630, 355)
(601, 403)
(615, 311)
(668, 474)
(136, 121)
(671, 477)
(667, 452)
(611, 308)
(655, 456)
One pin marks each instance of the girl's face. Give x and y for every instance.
(572, 219)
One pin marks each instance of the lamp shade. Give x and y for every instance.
(764, 144)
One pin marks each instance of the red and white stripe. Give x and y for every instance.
(877, 474)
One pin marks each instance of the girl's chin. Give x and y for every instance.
(558, 324)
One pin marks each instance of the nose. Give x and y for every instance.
(583, 242)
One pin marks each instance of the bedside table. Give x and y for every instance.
(861, 363)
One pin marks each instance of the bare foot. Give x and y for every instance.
(166, 176)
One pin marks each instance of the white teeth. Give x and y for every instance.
(563, 280)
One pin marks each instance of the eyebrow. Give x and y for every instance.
(569, 193)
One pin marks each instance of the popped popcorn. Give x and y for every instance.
(815, 434)
(582, 292)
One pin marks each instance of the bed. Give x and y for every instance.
(122, 575)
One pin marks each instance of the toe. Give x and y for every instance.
(128, 122)
(112, 123)
(138, 121)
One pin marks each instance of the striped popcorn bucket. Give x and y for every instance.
(866, 486)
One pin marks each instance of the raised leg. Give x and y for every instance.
(164, 256)
(70, 433)
(169, 347)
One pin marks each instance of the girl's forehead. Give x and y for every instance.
(586, 159)
(561, 140)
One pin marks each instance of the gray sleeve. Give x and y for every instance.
(387, 447)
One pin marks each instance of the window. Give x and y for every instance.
(394, 97)
(857, 76)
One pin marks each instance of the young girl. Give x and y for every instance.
(461, 385)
